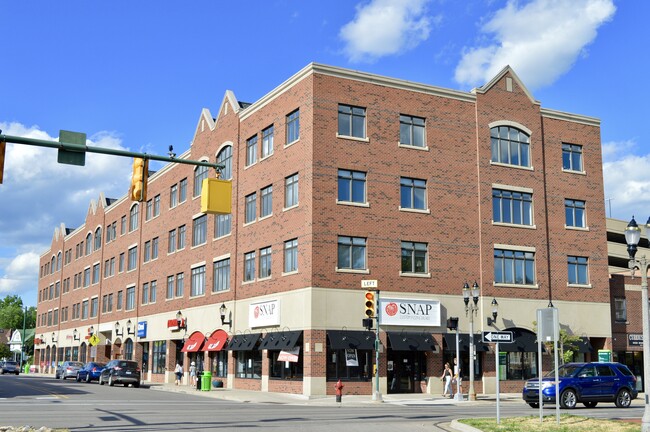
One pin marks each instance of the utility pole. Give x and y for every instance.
(22, 339)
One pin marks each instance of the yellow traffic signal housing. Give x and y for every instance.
(3, 146)
(370, 304)
(216, 196)
(138, 190)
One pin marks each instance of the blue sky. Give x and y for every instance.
(135, 75)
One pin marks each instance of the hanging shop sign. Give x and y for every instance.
(634, 339)
(290, 356)
(264, 314)
(409, 312)
(142, 329)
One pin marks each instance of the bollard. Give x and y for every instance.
(339, 391)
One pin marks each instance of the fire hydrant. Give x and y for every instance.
(339, 391)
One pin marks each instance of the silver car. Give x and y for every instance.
(68, 369)
(9, 367)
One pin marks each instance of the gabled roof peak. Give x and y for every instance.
(507, 70)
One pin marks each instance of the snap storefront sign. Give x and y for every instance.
(264, 314)
(410, 312)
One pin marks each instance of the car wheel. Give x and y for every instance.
(87, 378)
(101, 382)
(568, 399)
(533, 404)
(136, 385)
(78, 378)
(110, 381)
(63, 377)
(623, 398)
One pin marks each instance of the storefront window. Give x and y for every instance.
(75, 353)
(284, 369)
(68, 354)
(219, 364)
(82, 353)
(159, 357)
(145, 356)
(249, 364)
(349, 365)
(128, 349)
(521, 365)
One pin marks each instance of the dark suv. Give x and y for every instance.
(120, 372)
(588, 383)
(9, 367)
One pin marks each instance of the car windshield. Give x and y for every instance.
(564, 371)
(11, 363)
(76, 364)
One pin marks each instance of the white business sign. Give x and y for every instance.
(264, 314)
(409, 312)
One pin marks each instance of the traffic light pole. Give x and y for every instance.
(376, 396)
(79, 148)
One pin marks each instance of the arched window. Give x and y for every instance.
(58, 261)
(510, 146)
(89, 244)
(128, 349)
(98, 238)
(82, 352)
(225, 157)
(133, 217)
(200, 173)
(53, 265)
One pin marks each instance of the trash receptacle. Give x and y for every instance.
(206, 378)
(198, 380)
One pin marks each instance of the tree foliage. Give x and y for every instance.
(11, 313)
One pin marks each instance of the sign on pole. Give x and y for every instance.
(497, 337)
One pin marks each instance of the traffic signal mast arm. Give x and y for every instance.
(84, 148)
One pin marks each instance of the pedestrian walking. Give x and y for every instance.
(178, 370)
(458, 376)
(446, 378)
(193, 373)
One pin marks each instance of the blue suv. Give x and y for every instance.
(588, 383)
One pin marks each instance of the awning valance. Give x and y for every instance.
(217, 341)
(194, 343)
(244, 342)
(351, 339)
(411, 341)
(463, 342)
(278, 341)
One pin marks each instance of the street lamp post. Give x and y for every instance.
(471, 309)
(632, 238)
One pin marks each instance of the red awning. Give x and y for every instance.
(194, 343)
(216, 341)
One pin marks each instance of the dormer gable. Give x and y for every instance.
(508, 79)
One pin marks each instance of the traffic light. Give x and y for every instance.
(138, 190)
(370, 304)
(3, 146)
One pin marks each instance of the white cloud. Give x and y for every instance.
(385, 27)
(38, 194)
(627, 181)
(540, 40)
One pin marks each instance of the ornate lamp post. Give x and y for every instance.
(471, 309)
(632, 238)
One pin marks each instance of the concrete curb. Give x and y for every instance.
(462, 427)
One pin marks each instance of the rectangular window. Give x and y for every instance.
(514, 267)
(156, 205)
(413, 193)
(133, 217)
(55, 317)
(149, 210)
(578, 270)
(572, 157)
(352, 121)
(133, 258)
(112, 266)
(86, 280)
(291, 256)
(267, 201)
(95, 274)
(620, 309)
(147, 251)
(123, 225)
(222, 225)
(153, 287)
(154, 248)
(84, 309)
(120, 298)
(510, 146)
(248, 364)
(110, 302)
(351, 253)
(411, 131)
(251, 150)
(352, 186)
(121, 263)
(171, 241)
(181, 237)
(221, 275)
(265, 262)
(198, 281)
(249, 266)
(170, 287)
(291, 191)
(414, 257)
(106, 269)
(180, 284)
(130, 298)
(94, 306)
(575, 213)
(293, 126)
(182, 190)
(145, 293)
(251, 208)
(512, 207)
(267, 142)
(173, 196)
(159, 357)
(199, 230)
(200, 174)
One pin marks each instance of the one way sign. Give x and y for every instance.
(501, 337)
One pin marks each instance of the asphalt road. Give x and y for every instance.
(42, 401)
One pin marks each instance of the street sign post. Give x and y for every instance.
(497, 337)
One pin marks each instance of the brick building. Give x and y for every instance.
(341, 176)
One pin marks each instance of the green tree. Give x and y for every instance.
(11, 312)
(4, 351)
(567, 346)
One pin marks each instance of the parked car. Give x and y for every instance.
(90, 372)
(9, 366)
(68, 369)
(120, 372)
(587, 383)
